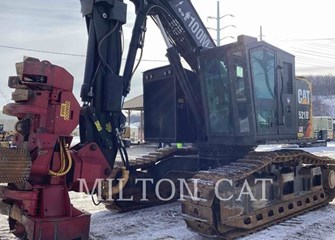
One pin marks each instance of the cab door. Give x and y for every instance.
(264, 79)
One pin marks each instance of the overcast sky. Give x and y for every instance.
(304, 28)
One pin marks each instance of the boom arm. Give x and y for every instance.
(101, 118)
(182, 25)
(104, 88)
(185, 36)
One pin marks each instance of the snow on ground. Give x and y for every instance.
(165, 222)
(318, 224)
(156, 223)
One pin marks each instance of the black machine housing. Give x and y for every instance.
(167, 115)
(248, 97)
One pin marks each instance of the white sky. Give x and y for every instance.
(303, 28)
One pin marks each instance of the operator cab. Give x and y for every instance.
(248, 93)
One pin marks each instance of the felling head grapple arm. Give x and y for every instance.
(42, 167)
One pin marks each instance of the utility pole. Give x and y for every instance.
(218, 36)
(218, 23)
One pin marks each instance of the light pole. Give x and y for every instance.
(218, 25)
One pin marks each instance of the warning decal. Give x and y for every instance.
(65, 110)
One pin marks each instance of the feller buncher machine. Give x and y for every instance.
(231, 99)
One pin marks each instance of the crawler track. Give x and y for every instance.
(211, 217)
(142, 168)
(231, 219)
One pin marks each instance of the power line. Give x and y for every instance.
(306, 39)
(67, 54)
(42, 51)
(306, 56)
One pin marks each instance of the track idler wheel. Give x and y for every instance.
(329, 180)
